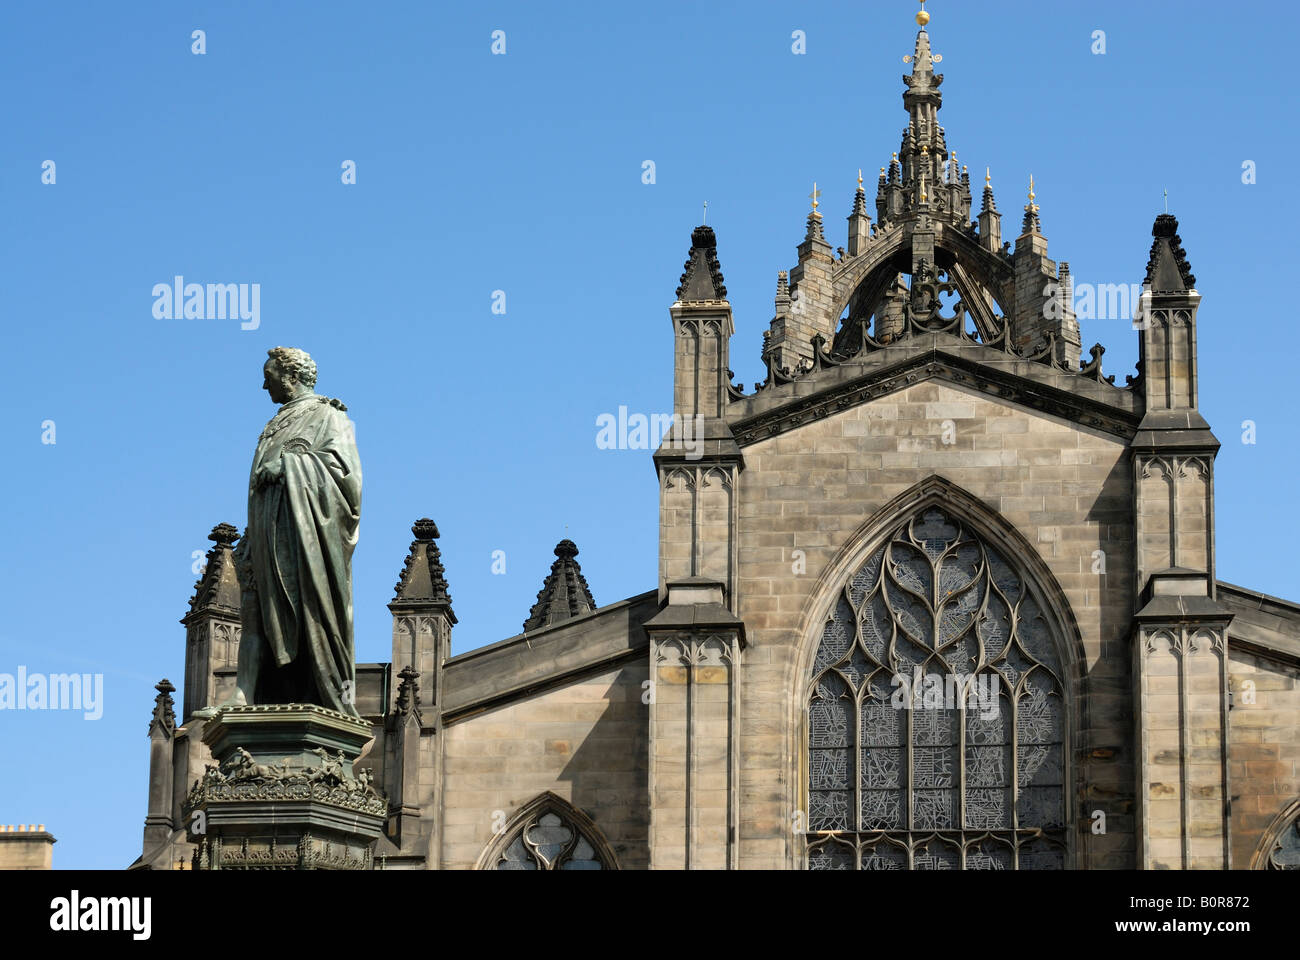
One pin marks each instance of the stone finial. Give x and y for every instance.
(218, 585)
(1031, 222)
(860, 199)
(424, 530)
(989, 205)
(1167, 268)
(702, 279)
(814, 231)
(164, 716)
(224, 534)
(423, 578)
(408, 692)
(564, 593)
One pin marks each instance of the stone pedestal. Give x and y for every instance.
(283, 794)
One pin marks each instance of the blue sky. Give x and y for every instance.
(523, 173)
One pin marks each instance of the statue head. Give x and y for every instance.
(288, 373)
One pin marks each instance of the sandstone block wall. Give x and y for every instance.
(586, 742)
(1264, 747)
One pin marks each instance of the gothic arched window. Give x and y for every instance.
(549, 834)
(936, 724)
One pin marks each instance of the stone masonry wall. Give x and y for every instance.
(586, 742)
(1264, 747)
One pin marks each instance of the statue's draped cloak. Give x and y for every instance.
(297, 551)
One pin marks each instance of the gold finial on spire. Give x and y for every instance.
(859, 178)
(922, 18)
(1031, 207)
(814, 195)
(988, 177)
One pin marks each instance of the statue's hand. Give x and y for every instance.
(271, 473)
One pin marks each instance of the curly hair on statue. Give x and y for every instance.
(295, 363)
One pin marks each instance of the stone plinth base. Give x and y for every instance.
(283, 794)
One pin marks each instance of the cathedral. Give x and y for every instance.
(938, 594)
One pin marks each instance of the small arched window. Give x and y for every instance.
(549, 834)
(936, 722)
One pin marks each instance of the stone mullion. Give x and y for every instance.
(911, 800)
(1015, 751)
(961, 772)
(855, 767)
(858, 701)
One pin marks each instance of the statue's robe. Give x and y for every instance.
(295, 560)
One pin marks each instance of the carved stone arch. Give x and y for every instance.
(548, 833)
(1157, 467)
(679, 477)
(1002, 547)
(716, 475)
(1280, 847)
(865, 277)
(855, 272)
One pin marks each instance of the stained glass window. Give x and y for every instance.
(936, 722)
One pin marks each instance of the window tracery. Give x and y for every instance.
(549, 834)
(936, 722)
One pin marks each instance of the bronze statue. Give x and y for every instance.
(294, 560)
